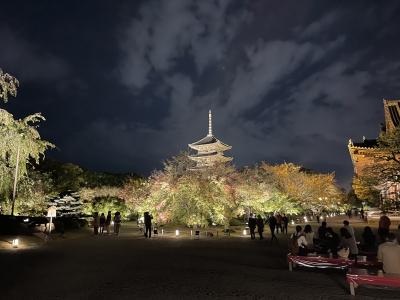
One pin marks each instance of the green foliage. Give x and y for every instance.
(220, 194)
(33, 192)
(8, 86)
(365, 190)
(105, 204)
(390, 141)
(20, 139)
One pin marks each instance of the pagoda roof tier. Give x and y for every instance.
(210, 158)
(208, 144)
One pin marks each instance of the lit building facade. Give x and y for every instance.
(366, 154)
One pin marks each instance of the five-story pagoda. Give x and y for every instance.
(210, 150)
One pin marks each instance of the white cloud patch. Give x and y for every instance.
(303, 94)
(167, 30)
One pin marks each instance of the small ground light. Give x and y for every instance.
(292, 222)
(112, 222)
(177, 232)
(305, 219)
(26, 220)
(244, 232)
(15, 243)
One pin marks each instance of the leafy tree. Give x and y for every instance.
(20, 142)
(104, 204)
(8, 86)
(365, 189)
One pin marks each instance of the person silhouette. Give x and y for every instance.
(147, 224)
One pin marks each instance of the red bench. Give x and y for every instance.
(319, 262)
(356, 277)
(328, 262)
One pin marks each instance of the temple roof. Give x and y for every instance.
(367, 143)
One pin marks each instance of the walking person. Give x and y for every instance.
(285, 221)
(260, 226)
(96, 222)
(147, 224)
(272, 225)
(108, 222)
(318, 218)
(102, 222)
(278, 223)
(252, 226)
(117, 222)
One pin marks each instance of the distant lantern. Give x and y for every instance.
(177, 232)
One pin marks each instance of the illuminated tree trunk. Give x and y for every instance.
(15, 181)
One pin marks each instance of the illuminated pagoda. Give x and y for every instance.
(210, 150)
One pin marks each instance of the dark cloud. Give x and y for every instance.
(126, 85)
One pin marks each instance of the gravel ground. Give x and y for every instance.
(130, 266)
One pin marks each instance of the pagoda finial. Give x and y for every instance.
(209, 123)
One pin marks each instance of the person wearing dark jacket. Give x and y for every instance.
(285, 221)
(147, 224)
(102, 222)
(272, 225)
(260, 226)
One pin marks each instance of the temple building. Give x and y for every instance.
(209, 150)
(366, 153)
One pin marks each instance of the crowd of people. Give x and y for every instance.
(344, 244)
(277, 223)
(102, 223)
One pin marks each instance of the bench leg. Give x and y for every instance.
(352, 289)
(290, 266)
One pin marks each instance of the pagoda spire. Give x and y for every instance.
(209, 123)
(210, 150)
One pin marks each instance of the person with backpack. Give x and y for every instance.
(298, 242)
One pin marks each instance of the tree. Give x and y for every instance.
(8, 86)
(20, 144)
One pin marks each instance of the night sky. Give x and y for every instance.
(126, 84)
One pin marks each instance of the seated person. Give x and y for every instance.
(389, 255)
(299, 242)
(322, 231)
(384, 228)
(348, 241)
(332, 241)
(369, 240)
